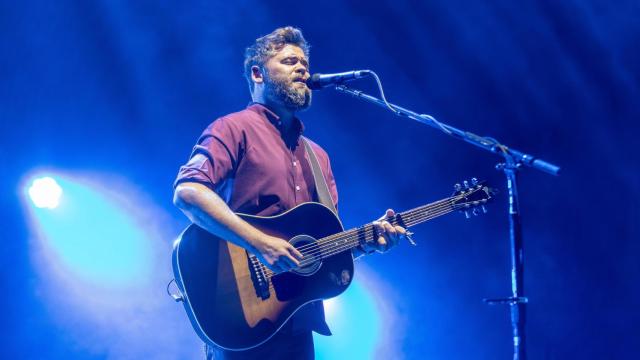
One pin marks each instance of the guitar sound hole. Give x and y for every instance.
(312, 256)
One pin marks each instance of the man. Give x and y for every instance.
(254, 162)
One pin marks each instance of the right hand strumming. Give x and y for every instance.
(277, 254)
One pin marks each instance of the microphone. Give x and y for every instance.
(319, 81)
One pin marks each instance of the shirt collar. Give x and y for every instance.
(265, 112)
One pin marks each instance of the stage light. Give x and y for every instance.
(93, 234)
(45, 193)
(100, 265)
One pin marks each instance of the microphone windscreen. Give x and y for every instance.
(313, 82)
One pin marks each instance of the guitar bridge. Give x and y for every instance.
(258, 277)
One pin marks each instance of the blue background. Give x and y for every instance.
(119, 91)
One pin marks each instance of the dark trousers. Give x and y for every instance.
(285, 344)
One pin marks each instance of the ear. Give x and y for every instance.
(256, 74)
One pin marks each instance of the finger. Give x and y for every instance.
(293, 251)
(378, 228)
(284, 265)
(380, 231)
(281, 264)
(291, 261)
(382, 243)
(401, 231)
(390, 233)
(389, 229)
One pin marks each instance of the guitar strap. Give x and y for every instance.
(322, 189)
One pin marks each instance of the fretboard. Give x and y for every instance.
(349, 239)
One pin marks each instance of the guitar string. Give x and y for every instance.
(347, 245)
(269, 274)
(368, 231)
(410, 213)
(329, 240)
(410, 218)
(350, 235)
(352, 240)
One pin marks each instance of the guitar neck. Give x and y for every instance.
(349, 239)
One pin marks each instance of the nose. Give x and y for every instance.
(301, 69)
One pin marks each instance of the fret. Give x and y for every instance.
(349, 239)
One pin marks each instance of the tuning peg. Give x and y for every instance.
(474, 181)
(484, 209)
(466, 184)
(466, 214)
(457, 187)
(476, 212)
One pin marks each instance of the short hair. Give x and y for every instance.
(267, 46)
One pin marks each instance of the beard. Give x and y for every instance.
(286, 92)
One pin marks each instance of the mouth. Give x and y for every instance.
(296, 83)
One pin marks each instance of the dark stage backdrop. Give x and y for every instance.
(126, 87)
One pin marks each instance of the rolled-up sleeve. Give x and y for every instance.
(216, 155)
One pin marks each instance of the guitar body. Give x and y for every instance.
(235, 303)
(230, 301)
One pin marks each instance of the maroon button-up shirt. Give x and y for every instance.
(247, 162)
(257, 170)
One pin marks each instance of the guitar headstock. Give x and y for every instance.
(471, 196)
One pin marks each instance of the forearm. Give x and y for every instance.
(206, 209)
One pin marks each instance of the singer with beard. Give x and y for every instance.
(254, 162)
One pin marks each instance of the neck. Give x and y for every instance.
(350, 239)
(285, 115)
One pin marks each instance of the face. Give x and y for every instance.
(285, 78)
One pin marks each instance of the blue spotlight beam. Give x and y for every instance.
(92, 237)
(354, 319)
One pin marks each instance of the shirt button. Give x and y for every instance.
(294, 163)
(297, 188)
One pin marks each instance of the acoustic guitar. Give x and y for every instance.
(235, 302)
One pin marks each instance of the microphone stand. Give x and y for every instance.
(513, 161)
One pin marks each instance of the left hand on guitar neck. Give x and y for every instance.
(389, 235)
